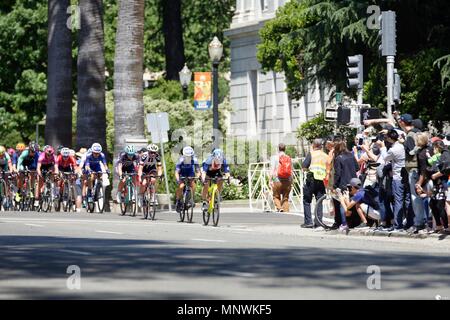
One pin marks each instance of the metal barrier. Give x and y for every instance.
(260, 192)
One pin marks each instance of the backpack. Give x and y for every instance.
(285, 167)
(371, 196)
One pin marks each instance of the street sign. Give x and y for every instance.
(158, 121)
(159, 136)
(369, 114)
(331, 114)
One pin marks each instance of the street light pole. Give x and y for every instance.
(215, 96)
(215, 49)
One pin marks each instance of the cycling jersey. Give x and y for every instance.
(214, 169)
(4, 162)
(27, 161)
(15, 157)
(46, 161)
(150, 162)
(66, 165)
(186, 168)
(128, 164)
(94, 162)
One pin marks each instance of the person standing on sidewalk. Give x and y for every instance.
(281, 178)
(415, 205)
(314, 168)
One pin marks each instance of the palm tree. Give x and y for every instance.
(91, 112)
(58, 126)
(173, 38)
(128, 71)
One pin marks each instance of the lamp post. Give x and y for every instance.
(215, 49)
(185, 79)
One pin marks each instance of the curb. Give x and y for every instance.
(372, 233)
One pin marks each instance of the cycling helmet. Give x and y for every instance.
(152, 148)
(20, 146)
(65, 152)
(11, 151)
(217, 154)
(96, 148)
(59, 149)
(2, 150)
(49, 150)
(33, 147)
(188, 151)
(129, 150)
(72, 152)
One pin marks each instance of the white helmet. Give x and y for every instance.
(65, 152)
(96, 148)
(72, 152)
(152, 147)
(188, 151)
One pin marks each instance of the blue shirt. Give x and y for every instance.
(207, 165)
(94, 163)
(187, 168)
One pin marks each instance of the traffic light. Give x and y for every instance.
(369, 114)
(397, 87)
(343, 116)
(355, 71)
(387, 33)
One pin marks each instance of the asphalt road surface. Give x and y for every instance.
(249, 256)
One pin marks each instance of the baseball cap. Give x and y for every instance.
(417, 123)
(406, 118)
(355, 182)
(434, 139)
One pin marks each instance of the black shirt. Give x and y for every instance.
(345, 168)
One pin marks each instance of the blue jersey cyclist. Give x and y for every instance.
(95, 162)
(215, 166)
(187, 166)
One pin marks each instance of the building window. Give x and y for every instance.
(264, 5)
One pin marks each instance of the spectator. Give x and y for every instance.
(345, 168)
(314, 166)
(281, 179)
(396, 155)
(440, 189)
(362, 202)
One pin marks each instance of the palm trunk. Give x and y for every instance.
(58, 126)
(128, 72)
(91, 112)
(173, 38)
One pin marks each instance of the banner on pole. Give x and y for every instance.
(202, 90)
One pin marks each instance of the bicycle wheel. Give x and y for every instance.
(65, 197)
(132, 203)
(190, 207)
(183, 205)
(2, 194)
(206, 216)
(216, 209)
(326, 204)
(153, 208)
(44, 203)
(145, 204)
(100, 198)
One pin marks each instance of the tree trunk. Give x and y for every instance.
(173, 38)
(58, 126)
(91, 113)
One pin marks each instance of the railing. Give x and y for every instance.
(260, 192)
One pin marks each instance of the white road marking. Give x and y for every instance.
(34, 225)
(76, 252)
(355, 251)
(110, 232)
(208, 240)
(237, 274)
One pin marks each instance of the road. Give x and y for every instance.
(249, 256)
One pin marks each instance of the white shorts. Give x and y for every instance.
(371, 212)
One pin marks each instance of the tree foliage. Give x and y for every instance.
(309, 40)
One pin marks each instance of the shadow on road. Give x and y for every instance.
(35, 257)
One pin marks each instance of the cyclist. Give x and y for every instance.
(67, 164)
(46, 163)
(95, 162)
(215, 166)
(187, 166)
(128, 162)
(149, 164)
(5, 160)
(20, 147)
(28, 160)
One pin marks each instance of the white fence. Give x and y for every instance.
(260, 193)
